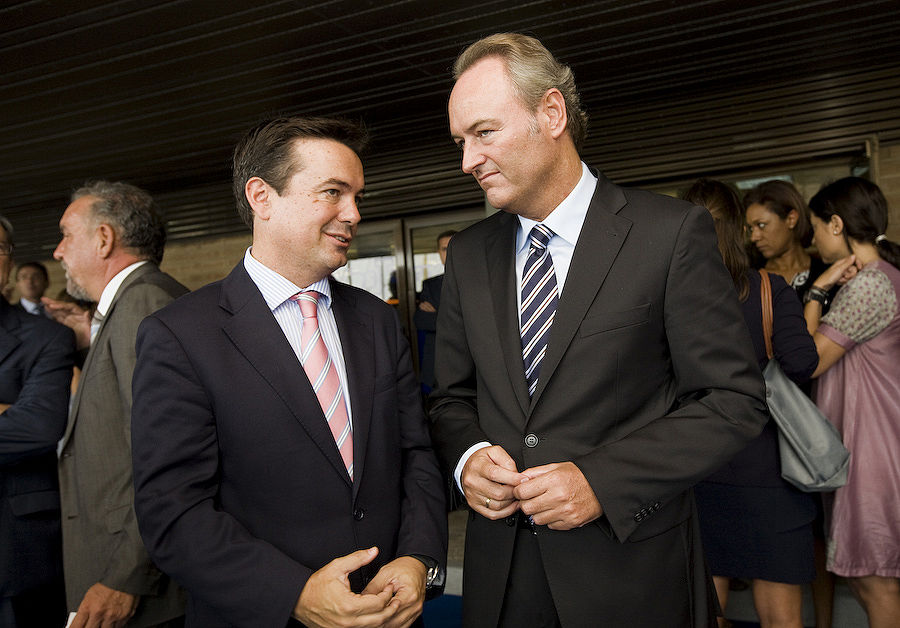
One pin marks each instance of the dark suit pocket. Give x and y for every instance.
(115, 518)
(609, 321)
(32, 503)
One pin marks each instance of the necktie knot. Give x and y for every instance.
(308, 302)
(540, 237)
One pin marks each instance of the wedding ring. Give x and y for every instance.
(487, 502)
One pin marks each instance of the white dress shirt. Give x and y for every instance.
(109, 293)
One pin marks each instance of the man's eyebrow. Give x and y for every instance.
(471, 128)
(337, 182)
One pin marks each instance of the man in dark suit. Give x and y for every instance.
(425, 318)
(576, 427)
(35, 373)
(283, 468)
(112, 243)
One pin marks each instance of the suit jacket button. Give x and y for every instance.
(511, 520)
(531, 440)
(657, 506)
(358, 514)
(639, 517)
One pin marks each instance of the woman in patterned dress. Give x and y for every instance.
(858, 342)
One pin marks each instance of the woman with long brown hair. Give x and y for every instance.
(778, 224)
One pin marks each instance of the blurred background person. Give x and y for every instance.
(780, 231)
(754, 524)
(35, 368)
(32, 281)
(425, 318)
(858, 342)
(778, 223)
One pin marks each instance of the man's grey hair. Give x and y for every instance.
(131, 212)
(533, 70)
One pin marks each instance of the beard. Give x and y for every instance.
(74, 289)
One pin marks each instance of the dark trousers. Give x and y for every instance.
(527, 601)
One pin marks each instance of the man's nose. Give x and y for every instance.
(471, 159)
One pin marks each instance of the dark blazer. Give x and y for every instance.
(101, 542)
(240, 489)
(426, 324)
(35, 373)
(648, 384)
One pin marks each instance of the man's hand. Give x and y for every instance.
(426, 306)
(405, 577)
(558, 496)
(488, 479)
(103, 607)
(326, 600)
(70, 315)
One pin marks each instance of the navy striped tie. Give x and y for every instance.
(539, 299)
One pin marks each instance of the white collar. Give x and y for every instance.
(567, 218)
(109, 292)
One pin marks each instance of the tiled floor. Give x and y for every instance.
(847, 612)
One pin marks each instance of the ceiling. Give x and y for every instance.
(156, 93)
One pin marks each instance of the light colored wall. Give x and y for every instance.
(889, 182)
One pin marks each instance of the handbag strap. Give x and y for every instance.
(765, 296)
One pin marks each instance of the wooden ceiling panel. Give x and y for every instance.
(157, 93)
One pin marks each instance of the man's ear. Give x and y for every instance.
(553, 105)
(258, 194)
(106, 240)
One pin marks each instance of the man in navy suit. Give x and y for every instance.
(271, 505)
(425, 318)
(36, 359)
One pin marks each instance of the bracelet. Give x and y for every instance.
(816, 294)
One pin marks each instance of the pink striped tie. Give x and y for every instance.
(323, 376)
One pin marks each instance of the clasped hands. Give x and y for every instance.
(393, 598)
(556, 495)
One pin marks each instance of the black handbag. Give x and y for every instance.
(813, 457)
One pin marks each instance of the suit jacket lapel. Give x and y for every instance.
(256, 334)
(8, 326)
(134, 276)
(356, 332)
(602, 235)
(501, 245)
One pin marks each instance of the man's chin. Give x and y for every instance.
(77, 292)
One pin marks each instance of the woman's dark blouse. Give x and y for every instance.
(758, 464)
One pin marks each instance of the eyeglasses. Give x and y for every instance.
(6, 248)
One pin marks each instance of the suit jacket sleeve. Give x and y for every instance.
(129, 567)
(719, 391)
(36, 418)
(427, 321)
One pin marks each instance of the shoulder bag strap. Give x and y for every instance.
(765, 295)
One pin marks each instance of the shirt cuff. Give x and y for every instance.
(457, 473)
